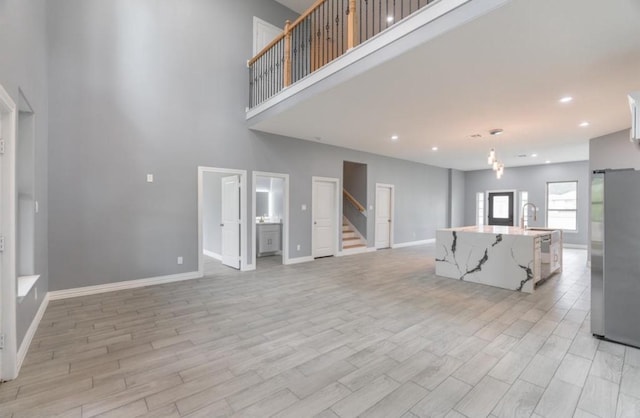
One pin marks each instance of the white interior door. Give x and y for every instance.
(263, 33)
(384, 221)
(324, 218)
(231, 221)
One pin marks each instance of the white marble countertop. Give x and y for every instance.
(496, 229)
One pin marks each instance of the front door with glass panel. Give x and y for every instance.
(500, 208)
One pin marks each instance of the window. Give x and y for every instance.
(562, 204)
(479, 209)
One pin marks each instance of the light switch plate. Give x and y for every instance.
(180, 260)
(149, 178)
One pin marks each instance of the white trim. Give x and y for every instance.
(337, 218)
(31, 331)
(244, 266)
(129, 284)
(393, 213)
(298, 260)
(285, 220)
(8, 362)
(414, 243)
(574, 246)
(212, 255)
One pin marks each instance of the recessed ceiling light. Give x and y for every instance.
(566, 99)
(534, 155)
(395, 137)
(389, 19)
(584, 124)
(496, 131)
(434, 149)
(547, 162)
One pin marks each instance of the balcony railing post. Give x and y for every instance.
(352, 23)
(287, 54)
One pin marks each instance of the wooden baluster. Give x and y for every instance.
(352, 25)
(287, 54)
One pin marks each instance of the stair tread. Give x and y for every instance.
(350, 238)
(353, 246)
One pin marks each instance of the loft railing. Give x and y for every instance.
(321, 34)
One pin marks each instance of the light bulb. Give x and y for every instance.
(495, 165)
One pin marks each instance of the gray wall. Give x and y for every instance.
(457, 198)
(23, 65)
(129, 97)
(533, 179)
(614, 151)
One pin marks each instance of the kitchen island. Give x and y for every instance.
(502, 256)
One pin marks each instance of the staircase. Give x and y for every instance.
(351, 239)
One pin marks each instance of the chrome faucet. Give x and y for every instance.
(535, 210)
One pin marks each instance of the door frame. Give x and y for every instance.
(515, 204)
(285, 220)
(392, 209)
(243, 214)
(9, 359)
(338, 222)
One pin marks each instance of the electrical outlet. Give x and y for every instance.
(414, 234)
(149, 178)
(303, 207)
(180, 260)
(298, 247)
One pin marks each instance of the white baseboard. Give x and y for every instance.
(31, 331)
(129, 284)
(298, 260)
(414, 243)
(575, 246)
(212, 255)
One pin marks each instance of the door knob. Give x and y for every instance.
(221, 224)
(315, 223)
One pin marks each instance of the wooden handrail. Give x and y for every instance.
(353, 201)
(286, 31)
(266, 49)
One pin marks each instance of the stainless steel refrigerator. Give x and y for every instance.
(615, 255)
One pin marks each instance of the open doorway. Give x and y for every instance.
(8, 354)
(270, 219)
(222, 224)
(354, 207)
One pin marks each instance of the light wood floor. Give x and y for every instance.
(376, 335)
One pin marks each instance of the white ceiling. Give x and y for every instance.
(507, 69)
